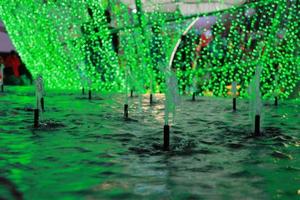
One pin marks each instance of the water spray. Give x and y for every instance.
(40, 93)
(83, 76)
(39, 99)
(172, 98)
(257, 100)
(277, 89)
(166, 117)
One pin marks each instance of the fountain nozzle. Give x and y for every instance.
(257, 126)
(126, 111)
(36, 118)
(234, 104)
(90, 94)
(166, 137)
(151, 98)
(131, 93)
(43, 104)
(194, 96)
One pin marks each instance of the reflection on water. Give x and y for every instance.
(85, 150)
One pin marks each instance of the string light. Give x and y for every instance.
(69, 41)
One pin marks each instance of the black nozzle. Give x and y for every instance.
(126, 111)
(90, 94)
(151, 99)
(276, 101)
(36, 118)
(131, 93)
(234, 104)
(194, 96)
(257, 126)
(43, 104)
(166, 137)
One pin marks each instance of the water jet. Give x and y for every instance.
(40, 93)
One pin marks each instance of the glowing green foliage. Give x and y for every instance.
(71, 44)
(68, 42)
(264, 33)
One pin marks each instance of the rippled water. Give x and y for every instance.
(91, 152)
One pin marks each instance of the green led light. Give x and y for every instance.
(71, 44)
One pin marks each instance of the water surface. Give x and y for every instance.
(86, 150)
